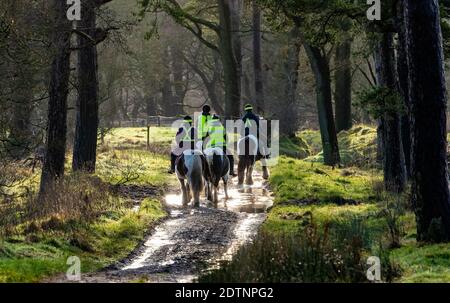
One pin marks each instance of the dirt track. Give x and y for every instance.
(193, 239)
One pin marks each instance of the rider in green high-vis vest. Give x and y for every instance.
(202, 127)
(217, 138)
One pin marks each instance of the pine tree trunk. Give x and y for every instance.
(402, 70)
(288, 107)
(55, 151)
(343, 86)
(321, 70)
(20, 138)
(257, 58)
(177, 72)
(393, 156)
(430, 192)
(229, 62)
(86, 128)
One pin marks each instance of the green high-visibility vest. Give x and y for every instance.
(216, 136)
(203, 125)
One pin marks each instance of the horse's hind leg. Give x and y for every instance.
(216, 195)
(225, 187)
(196, 198)
(265, 172)
(249, 178)
(241, 171)
(208, 187)
(188, 192)
(184, 193)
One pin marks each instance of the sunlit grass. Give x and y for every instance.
(30, 255)
(44, 253)
(296, 179)
(425, 264)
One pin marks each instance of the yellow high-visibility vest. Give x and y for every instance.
(216, 136)
(203, 125)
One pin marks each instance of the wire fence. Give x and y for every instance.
(159, 121)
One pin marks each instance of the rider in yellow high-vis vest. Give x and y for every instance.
(217, 138)
(185, 140)
(216, 134)
(202, 124)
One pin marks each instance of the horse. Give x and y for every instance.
(190, 167)
(248, 155)
(247, 151)
(219, 168)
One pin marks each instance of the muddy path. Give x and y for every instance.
(194, 239)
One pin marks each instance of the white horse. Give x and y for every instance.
(190, 167)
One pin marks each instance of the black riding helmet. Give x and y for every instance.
(206, 109)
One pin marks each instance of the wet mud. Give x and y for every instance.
(194, 239)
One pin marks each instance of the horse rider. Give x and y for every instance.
(185, 139)
(250, 120)
(217, 138)
(202, 124)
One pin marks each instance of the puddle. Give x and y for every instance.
(194, 237)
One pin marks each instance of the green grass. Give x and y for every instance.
(42, 254)
(30, 255)
(135, 137)
(295, 179)
(295, 147)
(357, 146)
(424, 264)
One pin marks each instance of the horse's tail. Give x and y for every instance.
(217, 165)
(195, 172)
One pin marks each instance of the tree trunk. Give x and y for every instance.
(393, 157)
(150, 105)
(402, 70)
(288, 110)
(380, 120)
(178, 85)
(430, 192)
(230, 64)
(236, 7)
(85, 143)
(55, 151)
(343, 86)
(321, 70)
(20, 137)
(257, 58)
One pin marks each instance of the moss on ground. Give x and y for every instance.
(294, 147)
(295, 179)
(357, 146)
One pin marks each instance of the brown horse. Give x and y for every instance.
(248, 155)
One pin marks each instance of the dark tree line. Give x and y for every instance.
(85, 143)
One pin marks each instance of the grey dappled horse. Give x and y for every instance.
(190, 171)
(248, 155)
(219, 169)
